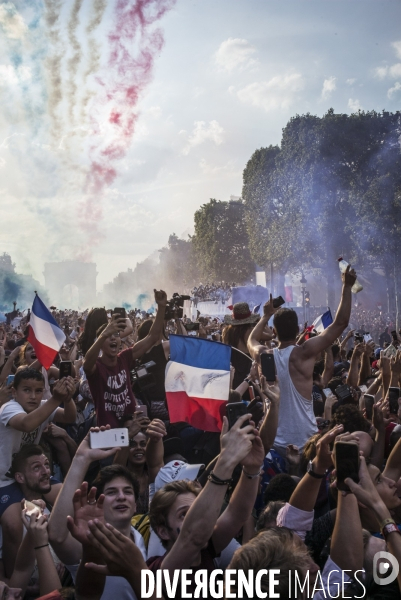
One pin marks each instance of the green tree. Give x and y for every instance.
(221, 242)
(311, 200)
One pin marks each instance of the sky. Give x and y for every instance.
(116, 125)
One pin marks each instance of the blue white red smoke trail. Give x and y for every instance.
(114, 109)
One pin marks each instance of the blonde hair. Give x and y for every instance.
(22, 358)
(277, 548)
(164, 499)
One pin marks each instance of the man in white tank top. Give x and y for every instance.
(294, 364)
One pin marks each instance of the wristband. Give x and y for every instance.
(386, 522)
(252, 476)
(216, 480)
(389, 528)
(247, 380)
(39, 547)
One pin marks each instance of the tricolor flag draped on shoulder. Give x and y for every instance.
(197, 381)
(322, 322)
(44, 334)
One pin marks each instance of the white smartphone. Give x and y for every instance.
(363, 389)
(367, 338)
(111, 438)
(327, 392)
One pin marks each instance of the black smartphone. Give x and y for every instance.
(393, 395)
(235, 410)
(344, 394)
(191, 326)
(279, 301)
(120, 311)
(268, 366)
(65, 368)
(346, 460)
(369, 402)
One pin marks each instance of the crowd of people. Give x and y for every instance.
(299, 492)
(214, 292)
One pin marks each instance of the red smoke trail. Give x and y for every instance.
(128, 74)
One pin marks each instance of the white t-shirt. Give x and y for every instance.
(117, 587)
(11, 440)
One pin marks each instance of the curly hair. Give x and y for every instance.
(351, 417)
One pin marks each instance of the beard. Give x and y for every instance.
(40, 487)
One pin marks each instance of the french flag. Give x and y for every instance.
(197, 381)
(322, 322)
(44, 334)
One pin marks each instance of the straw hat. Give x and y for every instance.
(241, 315)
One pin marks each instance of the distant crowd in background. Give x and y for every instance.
(215, 292)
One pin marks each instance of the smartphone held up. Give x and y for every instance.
(110, 438)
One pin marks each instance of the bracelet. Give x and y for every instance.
(39, 547)
(386, 522)
(247, 380)
(258, 474)
(390, 528)
(214, 479)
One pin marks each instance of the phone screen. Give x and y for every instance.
(65, 368)
(347, 463)
(393, 395)
(279, 301)
(268, 366)
(143, 409)
(235, 410)
(369, 402)
(120, 311)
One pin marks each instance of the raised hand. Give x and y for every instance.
(348, 277)
(118, 551)
(268, 308)
(86, 508)
(160, 297)
(324, 454)
(64, 389)
(293, 455)
(36, 526)
(92, 454)
(271, 391)
(236, 443)
(365, 491)
(114, 327)
(156, 430)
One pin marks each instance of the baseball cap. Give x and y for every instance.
(175, 471)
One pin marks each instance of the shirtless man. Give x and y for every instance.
(294, 364)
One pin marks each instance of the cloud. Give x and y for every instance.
(394, 90)
(11, 76)
(350, 81)
(397, 47)
(354, 105)
(329, 85)
(394, 71)
(228, 168)
(279, 92)
(202, 132)
(11, 21)
(235, 53)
